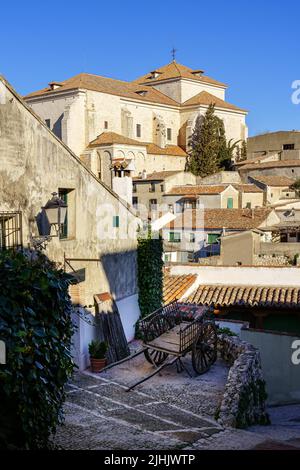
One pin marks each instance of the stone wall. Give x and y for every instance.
(270, 260)
(243, 402)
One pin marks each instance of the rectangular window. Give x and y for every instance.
(135, 201)
(288, 146)
(212, 238)
(153, 204)
(63, 194)
(162, 188)
(230, 203)
(248, 205)
(67, 229)
(174, 237)
(48, 122)
(192, 237)
(138, 130)
(10, 230)
(105, 124)
(134, 188)
(152, 188)
(116, 221)
(169, 133)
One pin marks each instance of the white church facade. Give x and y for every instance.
(136, 127)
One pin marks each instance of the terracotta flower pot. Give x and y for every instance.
(97, 364)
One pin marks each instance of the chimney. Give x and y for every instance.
(144, 175)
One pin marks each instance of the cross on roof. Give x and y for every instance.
(173, 52)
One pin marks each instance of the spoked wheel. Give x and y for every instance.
(204, 352)
(155, 357)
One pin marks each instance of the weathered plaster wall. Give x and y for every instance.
(33, 164)
(281, 374)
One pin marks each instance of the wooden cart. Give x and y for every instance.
(173, 331)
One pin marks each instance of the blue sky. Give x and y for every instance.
(253, 46)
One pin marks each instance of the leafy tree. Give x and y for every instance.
(241, 152)
(296, 187)
(36, 326)
(228, 154)
(205, 144)
(150, 272)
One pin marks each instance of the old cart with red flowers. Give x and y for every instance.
(172, 332)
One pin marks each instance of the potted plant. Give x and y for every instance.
(97, 351)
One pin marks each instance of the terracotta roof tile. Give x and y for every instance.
(247, 296)
(198, 189)
(108, 85)
(157, 175)
(109, 138)
(205, 98)
(231, 219)
(172, 150)
(174, 287)
(273, 164)
(275, 180)
(212, 189)
(176, 70)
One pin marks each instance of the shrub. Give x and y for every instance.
(36, 325)
(97, 349)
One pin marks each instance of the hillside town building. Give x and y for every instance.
(146, 123)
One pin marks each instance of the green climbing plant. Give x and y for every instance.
(150, 271)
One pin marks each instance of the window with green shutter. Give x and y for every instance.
(212, 238)
(230, 203)
(174, 237)
(116, 221)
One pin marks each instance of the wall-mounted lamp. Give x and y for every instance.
(55, 211)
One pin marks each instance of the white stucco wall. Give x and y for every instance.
(266, 276)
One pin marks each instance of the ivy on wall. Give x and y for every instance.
(150, 272)
(36, 326)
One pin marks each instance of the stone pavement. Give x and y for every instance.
(170, 411)
(100, 414)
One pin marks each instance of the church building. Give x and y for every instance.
(137, 127)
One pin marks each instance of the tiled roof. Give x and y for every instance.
(247, 296)
(275, 180)
(172, 150)
(205, 98)
(273, 164)
(249, 161)
(248, 188)
(174, 287)
(176, 70)
(198, 189)
(109, 138)
(232, 219)
(212, 189)
(108, 85)
(157, 175)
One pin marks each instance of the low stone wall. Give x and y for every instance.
(271, 260)
(243, 402)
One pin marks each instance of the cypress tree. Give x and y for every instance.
(205, 144)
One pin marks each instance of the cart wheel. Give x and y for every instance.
(155, 357)
(204, 351)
